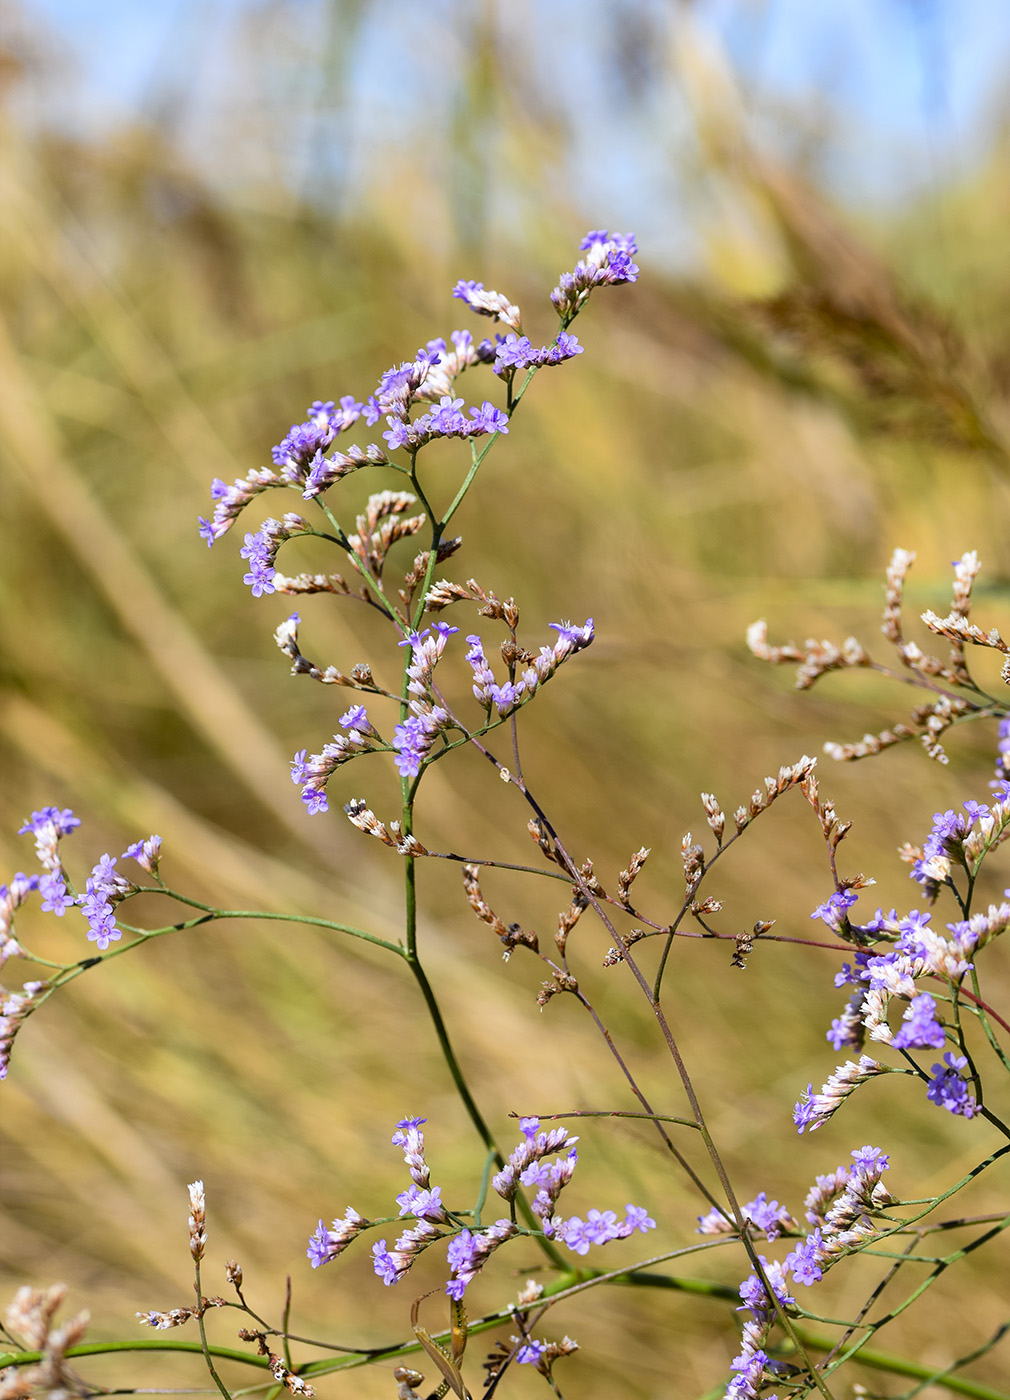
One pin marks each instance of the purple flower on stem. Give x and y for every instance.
(145, 853)
(425, 1204)
(833, 910)
(600, 1227)
(326, 1244)
(62, 822)
(488, 419)
(385, 1264)
(55, 898)
(319, 1246)
(919, 1028)
(803, 1262)
(949, 1090)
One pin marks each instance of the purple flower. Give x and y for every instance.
(638, 1218)
(102, 927)
(514, 352)
(805, 1110)
(461, 1251)
(530, 1353)
(507, 696)
(405, 1131)
(803, 1262)
(426, 1205)
(355, 718)
(832, 911)
(319, 1246)
(261, 573)
(384, 1264)
(919, 1028)
(755, 1294)
(62, 822)
(608, 261)
(447, 420)
(315, 801)
(145, 853)
(55, 899)
(488, 419)
(572, 638)
(947, 1088)
(869, 1163)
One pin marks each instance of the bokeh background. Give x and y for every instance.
(214, 213)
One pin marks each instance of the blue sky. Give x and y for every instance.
(885, 96)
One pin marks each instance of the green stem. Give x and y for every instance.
(204, 1347)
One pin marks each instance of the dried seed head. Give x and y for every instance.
(714, 814)
(816, 658)
(511, 935)
(446, 549)
(568, 918)
(901, 561)
(162, 1321)
(405, 845)
(30, 1314)
(562, 982)
(693, 857)
(543, 839)
(743, 944)
(628, 876)
(616, 955)
(233, 1272)
(197, 1220)
(958, 629)
(443, 593)
(359, 814)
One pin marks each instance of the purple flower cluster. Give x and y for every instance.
(761, 1214)
(839, 1207)
(48, 826)
(414, 737)
(834, 910)
(313, 773)
(919, 1028)
(326, 1244)
(469, 1249)
(303, 459)
(517, 352)
(945, 845)
(505, 697)
(949, 1089)
(488, 303)
(447, 421)
(602, 1226)
(261, 547)
(298, 451)
(814, 1110)
(103, 891)
(468, 1252)
(485, 688)
(608, 261)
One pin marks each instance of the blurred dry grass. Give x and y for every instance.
(713, 457)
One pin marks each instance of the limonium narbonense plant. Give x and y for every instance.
(913, 991)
